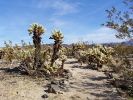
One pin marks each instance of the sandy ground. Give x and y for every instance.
(85, 84)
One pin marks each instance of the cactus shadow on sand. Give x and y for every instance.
(14, 70)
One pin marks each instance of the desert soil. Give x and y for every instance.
(85, 84)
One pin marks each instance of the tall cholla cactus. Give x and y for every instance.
(36, 30)
(57, 36)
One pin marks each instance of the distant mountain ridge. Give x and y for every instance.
(130, 42)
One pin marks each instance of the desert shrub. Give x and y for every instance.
(121, 66)
(123, 50)
(122, 22)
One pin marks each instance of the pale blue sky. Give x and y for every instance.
(77, 19)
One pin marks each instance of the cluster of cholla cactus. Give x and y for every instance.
(36, 30)
(9, 54)
(22, 54)
(95, 56)
(12, 53)
(35, 58)
(77, 47)
(42, 57)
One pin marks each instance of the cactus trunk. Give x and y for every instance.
(37, 45)
(55, 55)
(62, 65)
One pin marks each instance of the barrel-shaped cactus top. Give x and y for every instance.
(36, 29)
(57, 35)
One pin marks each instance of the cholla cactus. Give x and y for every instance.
(36, 30)
(22, 54)
(57, 36)
(9, 54)
(1, 53)
(96, 56)
(77, 47)
(62, 56)
(80, 46)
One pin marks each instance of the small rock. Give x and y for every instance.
(55, 82)
(61, 82)
(51, 89)
(67, 74)
(45, 96)
(60, 92)
(47, 78)
(57, 85)
(62, 87)
(88, 98)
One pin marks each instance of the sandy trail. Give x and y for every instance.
(85, 84)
